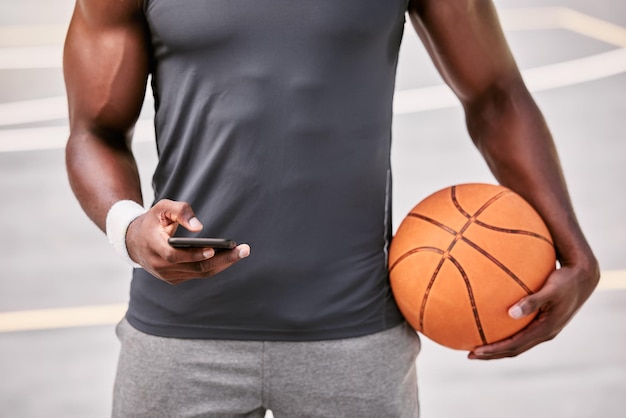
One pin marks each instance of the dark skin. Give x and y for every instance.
(106, 69)
(106, 65)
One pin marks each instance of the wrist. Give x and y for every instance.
(118, 219)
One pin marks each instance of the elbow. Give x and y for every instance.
(495, 110)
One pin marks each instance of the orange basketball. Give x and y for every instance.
(462, 257)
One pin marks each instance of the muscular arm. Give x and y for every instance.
(468, 47)
(106, 66)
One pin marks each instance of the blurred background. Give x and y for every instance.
(62, 288)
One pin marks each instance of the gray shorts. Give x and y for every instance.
(371, 376)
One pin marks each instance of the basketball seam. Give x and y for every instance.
(413, 251)
(470, 293)
(499, 264)
(481, 209)
(457, 204)
(513, 231)
(428, 288)
(432, 221)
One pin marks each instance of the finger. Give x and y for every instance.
(240, 252)
(521, 341)
(163, 260)
(533, 303)
(216, 264)
(534, 334)
(175, 273)
(186, 256)
(555, 307)
(526, 306)
(504, 350)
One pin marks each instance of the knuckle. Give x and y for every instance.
(169, 256)
(204, 266)
(160, 273)
(232, 256)
(181, 205)
(512, 354)
(162, 203)
(168, 276)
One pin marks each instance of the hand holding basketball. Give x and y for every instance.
(472, 265)
(462, 257)
(554, 305)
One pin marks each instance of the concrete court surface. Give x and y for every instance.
(62, 288)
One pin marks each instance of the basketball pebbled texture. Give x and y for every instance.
(462, 257)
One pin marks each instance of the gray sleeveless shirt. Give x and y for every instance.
(273, 120)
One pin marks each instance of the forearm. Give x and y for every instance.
(101, 174)
(467, 44)
(510, 132)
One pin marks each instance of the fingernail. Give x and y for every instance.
(208, 253)
(195, 223)
(516, 312)
(472, 355)
(244, 252)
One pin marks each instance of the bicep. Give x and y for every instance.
(466, 43)
(106, 68)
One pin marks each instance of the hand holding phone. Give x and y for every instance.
(145, 236)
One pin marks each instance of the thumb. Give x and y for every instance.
(526, 306)
(181, 213)
(547, 295)
(192, 224)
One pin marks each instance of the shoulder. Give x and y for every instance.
(110, 13)
(449, 7)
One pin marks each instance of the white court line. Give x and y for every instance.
(82, 316)
(55, 137)
(613, 280)
(406, 101)
(537, 79)
(563, 18)
(513, 19)
(37, 110)
(40, 46)
(32, 35)
(553, 76)
(31, 57)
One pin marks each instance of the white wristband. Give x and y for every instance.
(119, 217)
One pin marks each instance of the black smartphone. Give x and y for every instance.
(218, 244)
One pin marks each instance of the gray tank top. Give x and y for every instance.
(273, 120)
